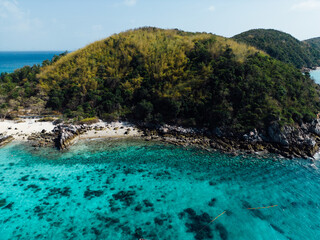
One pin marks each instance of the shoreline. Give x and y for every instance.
(21, 130)
(63, 135)
(305, 69)
(41, 134)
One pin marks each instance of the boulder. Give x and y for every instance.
(315, 127)
(253, 136)
(276, 135)
(4, 140)
(67, 133)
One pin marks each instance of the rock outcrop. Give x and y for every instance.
(66, 134)
(4, 140)
(43, 139)
(61, 137)
(289, 141)
(314, 127)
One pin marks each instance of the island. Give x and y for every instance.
(226, 94)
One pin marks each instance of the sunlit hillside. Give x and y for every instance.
(163, 54)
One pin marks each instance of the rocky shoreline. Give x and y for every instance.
(61, 137)
(308, 70)
(290, 142)
(4, 140)
(65, 135)
(287, 141)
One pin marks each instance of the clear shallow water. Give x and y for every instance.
(121, 189)
(10, 61)
(315, 75)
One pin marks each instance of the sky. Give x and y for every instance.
(30, 25)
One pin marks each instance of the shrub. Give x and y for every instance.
(46, 119)
(110, 117)
(89, 121)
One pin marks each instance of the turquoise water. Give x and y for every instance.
(315, 75)
(130, 189)
(10, 61)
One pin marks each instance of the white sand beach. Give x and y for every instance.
(114, 129)
(22, 129)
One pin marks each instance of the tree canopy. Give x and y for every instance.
(314, 42)
(282, 46)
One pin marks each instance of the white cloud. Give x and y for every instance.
(309, 5)
(212, 8)
(14, 18)
(9, 8)
(130, 3)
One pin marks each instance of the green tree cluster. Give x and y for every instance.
(314, 42)
(282, 46)
(20, 90)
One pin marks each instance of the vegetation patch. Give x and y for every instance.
(283, 46)
(46, 119)
(89, 121)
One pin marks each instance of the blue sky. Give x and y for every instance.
(72, 24)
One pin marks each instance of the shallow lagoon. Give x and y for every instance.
(315, 74)
(131, 189)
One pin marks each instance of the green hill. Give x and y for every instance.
(314, 42)
(169, 76)
(282, 46)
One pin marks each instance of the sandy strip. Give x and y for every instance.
(22, 129)
(115, 129)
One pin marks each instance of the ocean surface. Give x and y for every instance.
(10, 61)
(132, 189)
(315, 75)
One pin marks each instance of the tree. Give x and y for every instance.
(144, 110)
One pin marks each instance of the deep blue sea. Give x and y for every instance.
(132, 189)
(10, 61)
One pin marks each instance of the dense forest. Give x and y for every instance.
(314, 42)
(20, 91)
(282, 46)
(166, 76)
